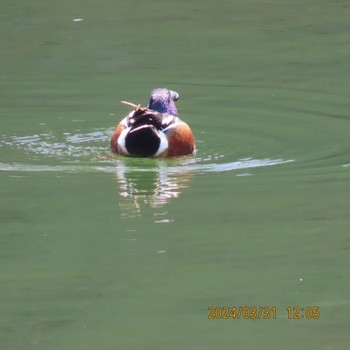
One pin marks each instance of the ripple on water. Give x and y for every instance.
(80, 148)
(60, 147)
(260, 126)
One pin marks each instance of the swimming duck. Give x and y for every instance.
(154, 131)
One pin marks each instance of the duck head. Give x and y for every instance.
(162, 100)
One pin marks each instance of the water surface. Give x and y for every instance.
(109, 253)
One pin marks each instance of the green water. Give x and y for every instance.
(130, 253)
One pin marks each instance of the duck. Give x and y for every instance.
(155, 130)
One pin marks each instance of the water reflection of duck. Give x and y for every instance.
(155, 131)
(149, 185)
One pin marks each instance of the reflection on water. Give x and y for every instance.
(143, 186)
(153, 187)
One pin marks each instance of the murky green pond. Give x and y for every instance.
(132, 253)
